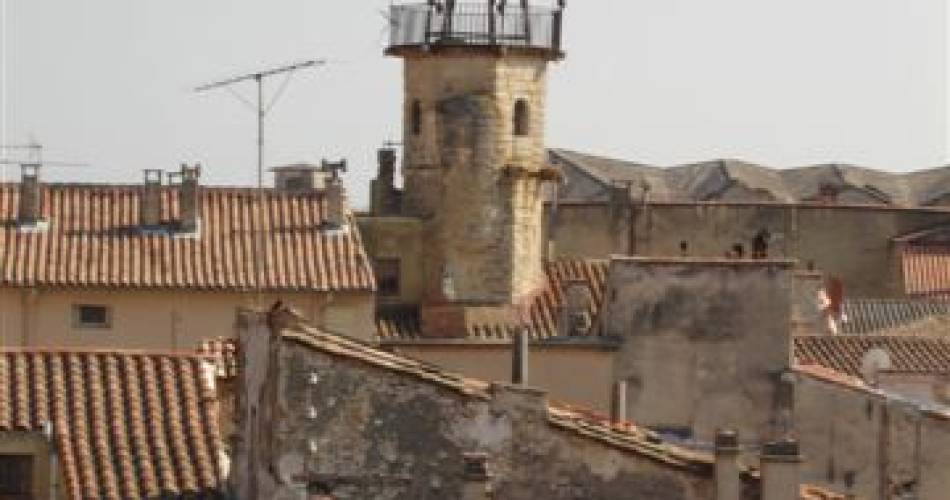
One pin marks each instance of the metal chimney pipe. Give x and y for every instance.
(519, 357)
(29, 209)
(618, 403)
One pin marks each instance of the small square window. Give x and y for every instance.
(387, 277)
(92, 316)
(16, 477)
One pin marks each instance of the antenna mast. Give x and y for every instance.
(262, 111)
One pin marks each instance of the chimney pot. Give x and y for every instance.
(781, 462)
(29, 209)
(575, 317)
(728, 484)
(188, 196)
(336, 202)
(519, 358)
(150, 208)
(618, 404)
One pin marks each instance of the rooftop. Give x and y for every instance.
(845, 353)
(95, 239)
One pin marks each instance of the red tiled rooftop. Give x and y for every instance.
(94, 239)
(844, 353)
(926, 271)
(125, 425)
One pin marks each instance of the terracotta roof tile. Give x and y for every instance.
(543, 313)
(926, 271)
(867, 316)
(809, 492)
(94, 239)
(844, 353)
(223, 353)
(126, 425)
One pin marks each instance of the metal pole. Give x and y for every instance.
(259, 232)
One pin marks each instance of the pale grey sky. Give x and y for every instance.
(783, 82)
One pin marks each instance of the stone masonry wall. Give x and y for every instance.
(484, 222)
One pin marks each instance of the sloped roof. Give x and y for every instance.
(868, 316)
(712, 180)
(926, 271)
(94, 239)
(125, 425)
(543, 314)
(845, 353)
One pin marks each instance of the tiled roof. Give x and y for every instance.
(404, 324)
(713, 181)
(125, 425)
(809, 492)
(844, 353)
(926, 271)
(626, 437)
(95, 240)
(867, 316)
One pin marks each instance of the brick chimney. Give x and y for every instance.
(29, 210)
(150, 205)
(780, 470)
(188, 198)
(728, 484)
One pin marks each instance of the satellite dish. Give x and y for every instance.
(873, 362)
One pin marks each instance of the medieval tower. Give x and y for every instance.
(474, 161)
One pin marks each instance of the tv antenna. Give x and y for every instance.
(261, 108)
(35, 157)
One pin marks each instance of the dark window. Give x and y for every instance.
(416, 117)
(521, 117)
(387, 277)
(16, 477)
(92, 316)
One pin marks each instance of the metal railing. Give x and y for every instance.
(475, 25)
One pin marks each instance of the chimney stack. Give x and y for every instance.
(188, 198)
(29, 210)
(519, 357)
(336, 195)
(384, 199)
(728, 484)
(477, 477)
(150, 205)
(575, 320)
(780, 470)
(618, 403)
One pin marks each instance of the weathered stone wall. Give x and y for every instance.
(705, 343)
(863, 443)
(472, 175)
(851, 243)
(392, 437)
(398, 238)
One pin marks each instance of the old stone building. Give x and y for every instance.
(163, 266)
(322, 414)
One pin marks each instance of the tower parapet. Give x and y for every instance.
(494, 24)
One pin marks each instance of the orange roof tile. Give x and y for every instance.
(543, 313)
(94, 239)
(125, 425)
(926, 271)
(844, 353)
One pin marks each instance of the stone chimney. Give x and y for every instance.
(384, 198)
(150, 204)
(336, 195)
(477, 477)
(728, 484)
(575, 317)
(780, 470)
(29, 210)
(189, 198)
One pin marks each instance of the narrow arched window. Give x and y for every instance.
(521, 117)
(415, 117)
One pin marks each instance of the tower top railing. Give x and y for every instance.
(430, 25)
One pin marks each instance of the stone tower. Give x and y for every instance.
(475, 164)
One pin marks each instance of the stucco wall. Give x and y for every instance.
(705, 342)
(399, 238)
(573, 374)
(876, 446)
(162, 320)
(852, 243)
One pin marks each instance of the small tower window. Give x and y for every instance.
(416, 117)
(521, 117)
